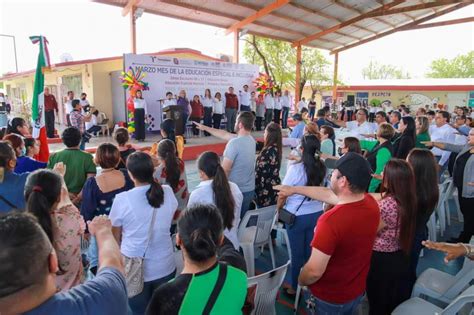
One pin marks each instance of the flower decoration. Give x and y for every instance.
(133, 81)
(262, 83)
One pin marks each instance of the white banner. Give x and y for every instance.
(170, 74)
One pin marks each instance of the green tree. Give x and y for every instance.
(278, 60)
(461, 66)
(378, 71)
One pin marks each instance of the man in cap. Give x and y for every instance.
(337, 270)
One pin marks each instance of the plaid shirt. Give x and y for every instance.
(77, 120)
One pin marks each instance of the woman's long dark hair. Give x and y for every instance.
(425, 169)
(314, 167)
(167, 152)
(410, 130)
(168, 125)
(399, 183)
(141, 167)
(210, 164)
(42, 191)
(14, 124)
(200, 230)
(273, 138)
(352, 144)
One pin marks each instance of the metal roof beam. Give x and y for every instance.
(421, 6)
(327, 16)
(348, 7)
(260, 13)
(401, 28)
(442, 23)
(344, 24)
(128, 8)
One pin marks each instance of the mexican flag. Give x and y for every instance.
(37, 110)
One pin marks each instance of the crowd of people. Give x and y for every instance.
(355, 203)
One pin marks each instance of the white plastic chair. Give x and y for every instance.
(103, 124)
(266, 292)
(257, 235)
(450, 195)
(422, 307)
(280, 228)
(441, 206)
(432, 227)
(443, 286)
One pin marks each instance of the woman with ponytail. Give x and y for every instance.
(141, 221)
(47, 199)
(200, 233)
(170, 171)
(309, 171)
(216, 189)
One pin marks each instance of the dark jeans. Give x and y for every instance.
(244, 108)
(49, 122)
(258, 123)
(139, 118)
(467, 208)
(231, 114)
(185, 121)
(325, 308)
(349, 115)
(276, 115)
(248, 197)
(387, 274)
(312, 112)
(300, 235)
(371, 117)
(94, 129)
(68, 120)
(268, 116)
(139, 302)
(216, 121)
(284, 117)
(207, 119)
(195, 130)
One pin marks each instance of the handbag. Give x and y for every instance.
(288, 217)
(134, 268)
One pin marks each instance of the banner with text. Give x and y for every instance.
(170, 74)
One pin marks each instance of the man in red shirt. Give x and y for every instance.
(231, 107)
(50, 106)
(337, 270)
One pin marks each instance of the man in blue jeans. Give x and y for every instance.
(336, 272)
(239, 156)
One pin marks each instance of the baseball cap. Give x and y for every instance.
(356, 169)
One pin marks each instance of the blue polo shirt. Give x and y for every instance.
(298, 130)
(27, 164)
(12, 189)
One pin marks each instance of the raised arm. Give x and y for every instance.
(323, 194)
(219, 133)
(109, 251)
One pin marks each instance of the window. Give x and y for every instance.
(73, 83)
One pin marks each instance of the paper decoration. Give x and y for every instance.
(133, 81)
(263, 83)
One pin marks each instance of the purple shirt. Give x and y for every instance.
(184, 104)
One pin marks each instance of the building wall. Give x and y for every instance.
(101, 97)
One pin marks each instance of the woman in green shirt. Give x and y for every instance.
(422, 135)
(205, 286)
(379, 152)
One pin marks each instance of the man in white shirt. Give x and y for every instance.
(443, 132)
(84, 103)
(269, 106)
(285, 107)
(69, 107)
(302, 104)
(360, 127)
(244, 99)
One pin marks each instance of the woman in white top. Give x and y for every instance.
(310, 171)
(215, 189)
(139, 115)
(132, 216)
(208, 104)
(218, 110)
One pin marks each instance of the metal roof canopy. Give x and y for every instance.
(334, 25)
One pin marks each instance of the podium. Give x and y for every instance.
(175, 112)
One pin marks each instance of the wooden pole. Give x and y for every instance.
(133, 30)
(298, 91)
(334, 80)
(236, 46)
